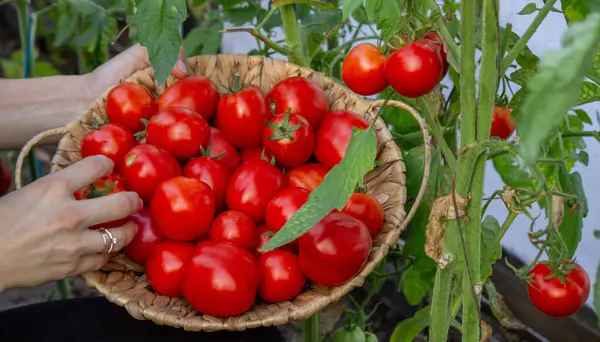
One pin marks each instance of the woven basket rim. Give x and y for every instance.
(118, 280)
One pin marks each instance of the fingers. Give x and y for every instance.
(109, 208)
(94, 243)
(84, 172)
(90, 262)
(180, 69)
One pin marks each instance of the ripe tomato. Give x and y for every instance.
(252, 186)
(283, 206)
(221, 149)
(183, 208)
(221, 279)
(212, 172)
(264, 235)
(335, 249)
(363, 70)
(178, 130)
(367, 209)
(128, 103)
(307, 176)
(111, 140)
(289, 138)
(435, 38)
(146, 238)
(235, 227)
(556, 298)
(256, 154)
(146, 166)
(304, 97)
(334, 136)
(5, 177)
(241, 116)
(280, 276)
(166, 267)
(415, 69)
(104, 186)
(503, 125)
(195, 92)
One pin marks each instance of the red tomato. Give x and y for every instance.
(235, 227)
(166, 267)
(334, 136)
(195, 92)
(503, 125)
(434, 37)
(178, 130)
(307, 176)
(367, 209)
(241, 116)
(104, 186)
(256, 154)
(128, 103)
(146, 166)
(252, 186)
(221, 279)
(223, 150)
(304, 97)
(264, 235)
(289, 138)
(183, 208)
(280, 276)
(415, 69)
(5, 177)
(283, 206)
(111, 140)
(363, 70)
(556, 298)
(212, 172)
(146, 238)
(335, 249)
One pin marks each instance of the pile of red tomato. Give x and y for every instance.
(220, 174)
(412, 70)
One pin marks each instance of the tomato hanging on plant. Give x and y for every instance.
(196, 93)
(111, 140)
(503, 125)
(363, 70)
(281, 278)
(554, 297)
(128, 104)
(303, 96)
(334, 135)
(289, 138)
(242, 114)
(435, 38)
(167, 265)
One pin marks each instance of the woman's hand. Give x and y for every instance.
(44, 233)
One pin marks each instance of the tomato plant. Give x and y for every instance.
(215, 173)
(288, 138)
(214, 264)
(144, 167)
(129, 103)
(167, 265)
(110, 140)
(183, 208)
(334, 135)
(234, 227)
(301, 97)
(280, 276)
(363, 70)
(146, 239)
(196, 93)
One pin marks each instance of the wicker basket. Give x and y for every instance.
(123, 281)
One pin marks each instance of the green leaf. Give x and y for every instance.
(590, 92)
(415, 163)
(583, 157)
(417, 280)
(528, 9)
(576, 10)
(335, 190)
(64, 28)
(158, 30)
(511, 172)
(387, 16)
(203, 40)
(583, 116)
(576, 187)
(318, 4)
(410, 328)
(556, 86)
(349, 7)
(490, 228)
(240, 15)
(360, 15)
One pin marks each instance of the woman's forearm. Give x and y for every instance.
(30, 106)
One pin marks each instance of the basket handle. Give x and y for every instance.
(427, 166)
(27, 148)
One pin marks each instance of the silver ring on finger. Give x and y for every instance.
(110, 241)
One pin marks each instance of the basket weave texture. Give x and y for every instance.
(123, 281)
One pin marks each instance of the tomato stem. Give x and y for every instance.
(293, 36)
(437, 133)
(311, 329)
(283, 130)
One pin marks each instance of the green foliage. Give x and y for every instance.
(387, 16)
(490, 228)
(350, 6)
(13, 67)
(528, 9)
(408, 329)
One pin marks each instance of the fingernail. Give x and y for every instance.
(141, 205)
(181, 66)
(135, 228)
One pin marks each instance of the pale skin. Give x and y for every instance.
(44, 233)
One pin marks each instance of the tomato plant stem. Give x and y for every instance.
(437, 133)
(293, 36)
(268, 42)
(311, 329)
(522, 42)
